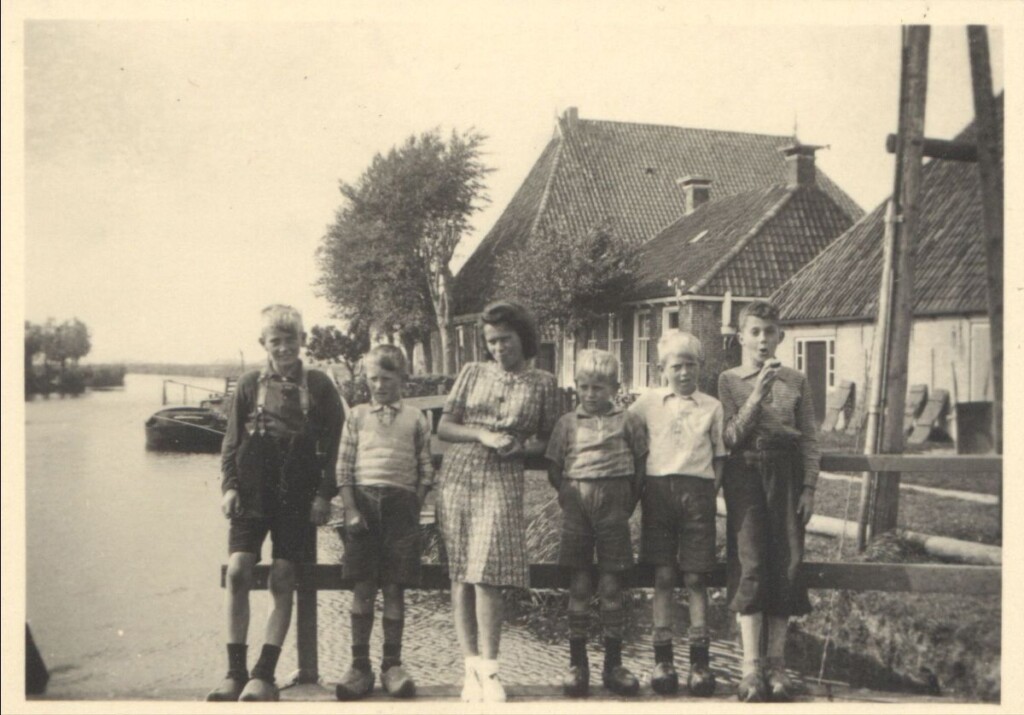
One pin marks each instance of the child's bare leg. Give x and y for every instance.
(282, 592)
(239, 583)
(701, 681)
(357, 682)
(489, 614)
(664, 679)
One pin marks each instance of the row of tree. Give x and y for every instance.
(385, 261)
(61, 345)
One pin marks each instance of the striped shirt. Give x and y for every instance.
(590, 446)
(685, 432)
(385, 445)
(788, 414)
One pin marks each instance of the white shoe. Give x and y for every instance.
(492, 690)
(471, 690)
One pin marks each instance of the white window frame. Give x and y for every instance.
(642, 350)
(666, 317)
(460, 345)
(615, 339)
(568, 359)
(830, 358)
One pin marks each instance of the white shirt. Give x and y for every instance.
(685, 432)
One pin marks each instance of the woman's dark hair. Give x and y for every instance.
(515, 316)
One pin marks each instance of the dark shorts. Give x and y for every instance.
(291, 537)
(765, 534)
(678, 523)
(388, 551)
(595, 515)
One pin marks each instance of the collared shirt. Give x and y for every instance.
(788, 414)
(685, 432)
(282, 410)
(385, 445)
(589, 446)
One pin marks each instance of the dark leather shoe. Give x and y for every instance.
(751, 688)
(259, 690)
(397, 682)
(229, 690)
(355, 684)
(576, 681)
(701, 681)
(779, 686)
(664, 679)
(620, 681)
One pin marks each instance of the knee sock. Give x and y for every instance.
(392, 642)
(663, 644)
(611, 626)
(700, 646)
(265, 666)
(579, 625)
(362, 627)
(237, 666)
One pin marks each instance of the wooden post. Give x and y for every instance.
(990, 170)
(305, 617)
(916, 38)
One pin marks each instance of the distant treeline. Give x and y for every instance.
(189, 369)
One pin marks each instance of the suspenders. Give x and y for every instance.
(259, 423)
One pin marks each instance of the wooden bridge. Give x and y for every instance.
(910, 578)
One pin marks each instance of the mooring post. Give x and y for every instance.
(305, 615)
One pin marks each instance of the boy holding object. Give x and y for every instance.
(769, 495)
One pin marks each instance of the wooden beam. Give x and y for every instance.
(940, 149)
(835, 462)
(911, 578)
(990, 171)
(886, 494)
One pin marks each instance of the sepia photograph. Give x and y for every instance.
(409, 357)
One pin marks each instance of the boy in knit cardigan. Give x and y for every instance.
(384, 471)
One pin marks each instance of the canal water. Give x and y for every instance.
(124, 549)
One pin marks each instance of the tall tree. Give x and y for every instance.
(409, 209)
(568, 279)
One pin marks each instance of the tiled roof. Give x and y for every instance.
(624, 175)
(749, 243)
(949, 272)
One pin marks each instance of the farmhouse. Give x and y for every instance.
(830, 306)
(723, 212)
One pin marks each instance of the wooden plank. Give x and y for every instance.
(912, 578)
(972, 464)
(940, 149)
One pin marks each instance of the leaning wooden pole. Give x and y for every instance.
(990, 170)
(885, 508)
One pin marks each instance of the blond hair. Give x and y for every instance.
(282, 317)
(597, 364)
(387, 357)
(679, 342)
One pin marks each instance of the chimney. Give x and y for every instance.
(696, 190)
(570, 117)
(799, 164)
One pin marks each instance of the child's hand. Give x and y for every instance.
(320, 512)
(514, 449)
(495, 440)
(765, 378)
(805, 507)
(354, 521)
(231, 504)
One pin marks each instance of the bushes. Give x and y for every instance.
(100, 376)
(356, 391)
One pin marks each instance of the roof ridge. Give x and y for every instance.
(786, 137)
(744, 240)
(543, 203)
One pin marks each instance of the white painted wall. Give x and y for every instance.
(938, 347)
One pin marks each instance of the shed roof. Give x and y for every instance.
(949, 273)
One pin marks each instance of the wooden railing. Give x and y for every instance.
(912, 578)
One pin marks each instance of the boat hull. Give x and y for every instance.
(185, 429)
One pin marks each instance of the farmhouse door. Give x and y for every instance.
(816, 369)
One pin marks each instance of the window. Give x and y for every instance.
(568, 359)
(641, 349)
(670, 319)
(460, 346)
(592, 337)
(615, 339)
(816, 358)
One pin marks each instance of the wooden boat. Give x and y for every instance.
(190, 428)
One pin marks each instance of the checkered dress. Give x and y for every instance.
(480, 501)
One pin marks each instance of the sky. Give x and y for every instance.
(179, 173)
